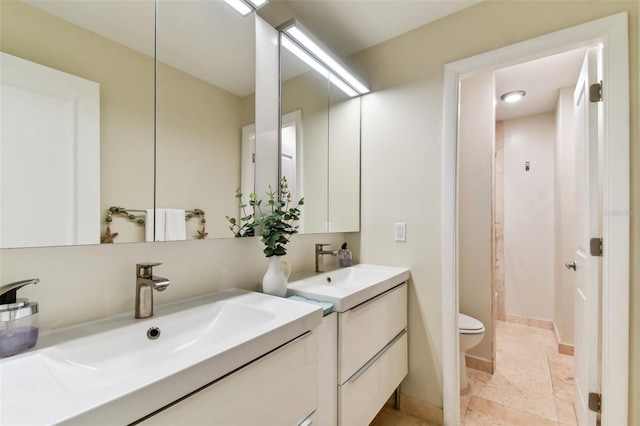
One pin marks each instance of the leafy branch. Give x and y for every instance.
(276, 226)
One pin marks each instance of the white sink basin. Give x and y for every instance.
(105, 359)
(348, 287)
(109, 371)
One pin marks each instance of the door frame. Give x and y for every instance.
(612, 33)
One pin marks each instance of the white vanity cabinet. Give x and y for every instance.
(364, 355)
(372, 355)
(280, 388)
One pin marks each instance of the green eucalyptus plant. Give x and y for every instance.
(276, 226)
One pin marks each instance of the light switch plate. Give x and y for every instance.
(401, 232)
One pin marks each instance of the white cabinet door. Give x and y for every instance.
(327, 368)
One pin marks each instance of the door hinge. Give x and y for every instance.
(595, 92)
(253, 158)
(596, 247)
(595, 402)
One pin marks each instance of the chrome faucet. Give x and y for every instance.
(320, 252)
(146, 282)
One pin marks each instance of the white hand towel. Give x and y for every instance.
(159, 220)
(175, 226)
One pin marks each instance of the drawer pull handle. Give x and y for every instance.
(306, 422)
(373, 299)
(376, 357)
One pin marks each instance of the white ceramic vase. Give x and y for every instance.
(275, 280)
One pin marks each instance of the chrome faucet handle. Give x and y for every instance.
(320, 246)
(145, 270)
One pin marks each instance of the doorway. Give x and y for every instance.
(611, 33)
(515, 181)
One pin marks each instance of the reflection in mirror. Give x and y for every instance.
(305, 137)
(77, 128)
(205, 96)
(327, 141)
(344, 161)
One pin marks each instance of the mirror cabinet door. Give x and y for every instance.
(205, 97)
(304, 139)
(321, 127)
(77, 119)
(344, 161)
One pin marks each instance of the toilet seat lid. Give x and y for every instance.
(467, 323)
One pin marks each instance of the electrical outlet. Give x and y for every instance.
(401, 232)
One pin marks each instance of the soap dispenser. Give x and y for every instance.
(18, 320)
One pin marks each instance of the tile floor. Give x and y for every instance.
(533, 385)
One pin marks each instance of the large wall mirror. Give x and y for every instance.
(320, 146)
(79, 119)
(79, 122)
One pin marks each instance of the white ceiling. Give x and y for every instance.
(542, 79)
(349, 26)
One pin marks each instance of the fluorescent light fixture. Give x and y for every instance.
(513, 96)
(304, 40)
(305, 57)
(340, 84)
(245, 7)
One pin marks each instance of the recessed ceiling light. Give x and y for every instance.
(513, 96)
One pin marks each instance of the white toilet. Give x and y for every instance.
(471, 333)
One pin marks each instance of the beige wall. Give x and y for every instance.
(564, 215)
(405, 107)
(528, 216)
(475, 212)
(80, 284)
(199, 125)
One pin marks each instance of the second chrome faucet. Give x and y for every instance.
(146, 283)
(320, 252)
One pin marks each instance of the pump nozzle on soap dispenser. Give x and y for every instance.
(18, 320)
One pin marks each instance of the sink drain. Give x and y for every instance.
(153, 333)
(328, 279)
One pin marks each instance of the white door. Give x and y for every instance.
(586, 265)
(49, 156)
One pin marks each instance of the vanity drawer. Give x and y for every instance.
(363, 395)
(279, 389)
(365, 329)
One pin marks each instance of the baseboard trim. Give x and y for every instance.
(532, 322)
(480, 364)
(563, 348)
(420, 409)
